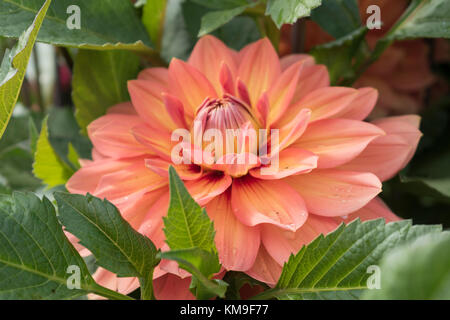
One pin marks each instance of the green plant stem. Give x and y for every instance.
(147, 287)
(107, 293)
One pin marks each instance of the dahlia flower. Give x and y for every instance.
(330, 162)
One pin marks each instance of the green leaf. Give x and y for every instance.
(186, 225)
(202, 265)
(221, 4)
(339, 55)
(100, 81)
(338, 263)
(423, 19)
(236, 280)
(190, 236)
(338, 17)
(289, 11)
(104, 25)
(35, 254)
(14, 64)
(114, 243)
(153, 15)
(48, 166)
(16, 158)
(416, 271)
(215, 19)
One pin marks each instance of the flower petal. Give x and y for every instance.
(208, 56)
(111, 136)
(272, 201)
(330, 192)
(280, 244)
(208, 187)
(158, 75)
(231, 234)
(259, 68)
(147, 99)
(292, 161)
(189, 85)
(361, 106)
(185, 171)
(172, 287)
(375, 209)
(337, 141)
(265, 268)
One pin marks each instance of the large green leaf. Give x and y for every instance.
(215, 19)
(35, 255)
(100, 81)
(336, 266)
(114, 243)
(187, 225)
(289, 11)
(16, 158)
(343, 56)
(153, 16)
(106, 24)
(338, 17)
(416, 271)
(423, 19)
(190, 236)
(48, 165)
(14, 64)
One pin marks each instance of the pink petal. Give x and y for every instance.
(185, 171)
(147, 99)
(291, 59)
(330, 192)
(375, 209)
(172, 287)
(259, 68)
(271, 201)
(292, 161)
(208, 187)
(337, 141)
(158, 75)
(361, 106)
(208, 56)
(158, 141)
(189, 85)
(123, 108)
(265, 268)
(231, 234)
(87, 178)
(280, 244)
(111, 281)
(111, 135)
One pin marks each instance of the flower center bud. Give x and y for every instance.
(225, 126)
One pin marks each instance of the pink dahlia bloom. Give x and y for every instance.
(331, 162)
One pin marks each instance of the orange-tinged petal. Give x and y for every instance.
(337, 141)
(231, 234)
(375, 209)
(406, 126)
(155, 140)
(87, 178)
(259, 68)
(148, 101)
(291, 59)
(292, 161)
(172, 287)
(158, 75)
(361, 106)
(152, 226)
(291, 131)
(185, 171)
(323, 103)
(208, 56)
(265, 268)
(311, 78)
(282, 92)
(280, 244)
(111, 281)
(123, 108)
(330, 192)
(272, 201)
(132, 179)
(208, 187)
(237, 165)
(384, 157)
(189, 85)
(111, 135)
